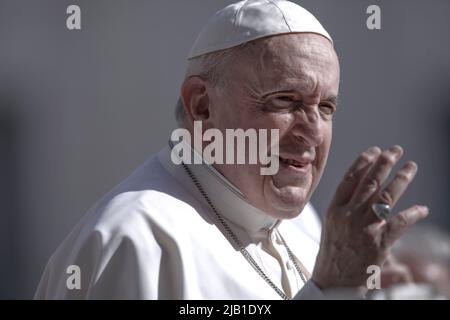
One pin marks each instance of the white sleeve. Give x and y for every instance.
(310, 291)
(114, 268)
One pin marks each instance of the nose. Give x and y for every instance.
(309, 126)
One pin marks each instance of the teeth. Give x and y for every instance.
(291, 162)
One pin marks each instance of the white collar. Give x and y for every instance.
(227, 198)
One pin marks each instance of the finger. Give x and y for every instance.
(391, 275)
(395, 189)
(394, 272)
(400, 222)
(377, 175)
(357, 170)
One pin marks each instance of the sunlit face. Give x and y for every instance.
(287, 82)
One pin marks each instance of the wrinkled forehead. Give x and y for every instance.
(289, 57)
(284, 52)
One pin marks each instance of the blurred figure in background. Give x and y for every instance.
(421, 267)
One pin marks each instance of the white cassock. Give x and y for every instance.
(154, 236)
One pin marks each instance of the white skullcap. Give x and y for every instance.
(252, 19)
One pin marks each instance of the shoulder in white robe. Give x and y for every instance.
(152, 237)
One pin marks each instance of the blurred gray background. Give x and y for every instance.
(79, 110)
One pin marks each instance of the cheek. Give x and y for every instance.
(234, 114)
(322, 151)
(328, 135)
(282, 122)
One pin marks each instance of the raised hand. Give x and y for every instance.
(353, 236)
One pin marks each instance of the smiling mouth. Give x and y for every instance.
(292, 162)
(295, 167)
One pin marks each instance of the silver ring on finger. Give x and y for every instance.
(381, 210)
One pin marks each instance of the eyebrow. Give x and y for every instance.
(333, 99)
(288, 91)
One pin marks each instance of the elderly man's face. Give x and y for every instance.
(288, 82)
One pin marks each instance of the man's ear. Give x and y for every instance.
(194, 93)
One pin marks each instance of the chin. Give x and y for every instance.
(286, 199)
(287, 204)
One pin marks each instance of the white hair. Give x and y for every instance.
(214, 68)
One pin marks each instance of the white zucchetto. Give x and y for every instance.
(248, 20)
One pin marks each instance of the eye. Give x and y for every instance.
(327, 109)
(285, 98)
(284, 101)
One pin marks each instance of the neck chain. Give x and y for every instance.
(235, 239)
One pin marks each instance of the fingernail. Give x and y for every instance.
(411, 165)
(424, 209)
(396, 149)
(374, 150)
